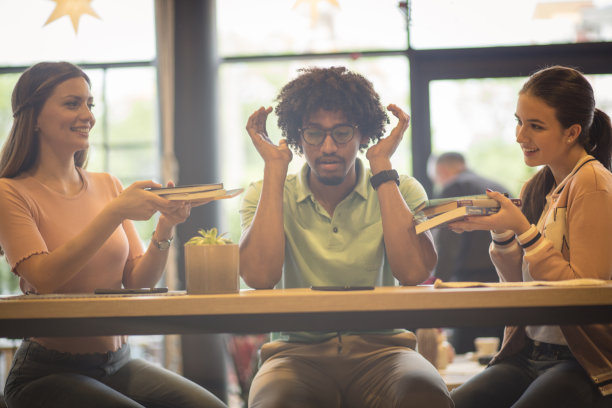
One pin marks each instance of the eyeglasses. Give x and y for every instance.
(340, 133)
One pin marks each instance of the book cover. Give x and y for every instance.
(432, 211)
(192, 188)
(206, 196)
(196, 195)
(454, 215)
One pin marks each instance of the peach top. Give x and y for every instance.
(37, 220)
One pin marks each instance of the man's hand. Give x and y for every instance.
(262, 245)
(379, 155)
(256, 127)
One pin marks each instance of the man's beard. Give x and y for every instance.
(330, 181)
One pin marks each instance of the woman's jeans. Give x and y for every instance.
(41, 377)
(541, 376)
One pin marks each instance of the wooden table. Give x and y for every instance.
(260, 311)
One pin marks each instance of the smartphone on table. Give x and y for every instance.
(126, 291)
(342, 288)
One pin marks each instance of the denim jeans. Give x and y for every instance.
(41, 377)
(541, 376)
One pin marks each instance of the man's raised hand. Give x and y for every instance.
(256, 127)
(379, 155)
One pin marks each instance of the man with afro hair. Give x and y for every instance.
(336, 223)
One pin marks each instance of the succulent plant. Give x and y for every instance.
(209, 237)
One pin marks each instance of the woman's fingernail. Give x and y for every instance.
(489, 190)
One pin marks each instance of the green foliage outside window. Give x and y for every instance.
(8, 281)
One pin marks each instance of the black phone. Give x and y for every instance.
(342, 288)
(124, 291)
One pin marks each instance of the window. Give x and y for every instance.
(262, 45)
(124, 32)
(270, 27)
(483, 23)
(476, 117)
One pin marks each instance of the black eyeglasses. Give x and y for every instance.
(340, 133)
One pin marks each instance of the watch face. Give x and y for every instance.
(163, 245)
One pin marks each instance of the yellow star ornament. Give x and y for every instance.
(72, 8)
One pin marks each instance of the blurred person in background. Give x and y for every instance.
(464, 257)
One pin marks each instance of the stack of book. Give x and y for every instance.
(441, 211)
(196, 193)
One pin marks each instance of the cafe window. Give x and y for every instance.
(473, 116)
(484, 23)
(294, 27)
(476, 117)
(123, 32)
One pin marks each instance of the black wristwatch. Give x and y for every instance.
(385, 175)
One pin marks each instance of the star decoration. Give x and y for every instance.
(314, 12)
(72, 8)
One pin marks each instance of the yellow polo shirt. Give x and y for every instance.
(346, 248)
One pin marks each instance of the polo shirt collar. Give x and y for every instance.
(363, 181)
(303, 190)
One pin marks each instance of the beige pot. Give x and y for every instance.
(212, 268)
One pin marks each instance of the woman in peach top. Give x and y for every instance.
(66, 230)
(561, 232)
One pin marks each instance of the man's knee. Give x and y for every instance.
(279, 384)
(422, 391)
(285, 394)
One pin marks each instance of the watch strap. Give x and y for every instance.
(384, 176)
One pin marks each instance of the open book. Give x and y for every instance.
(457, 214)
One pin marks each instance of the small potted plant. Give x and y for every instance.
(211, 263)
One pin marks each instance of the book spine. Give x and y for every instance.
(485, 203)
(481, 210)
